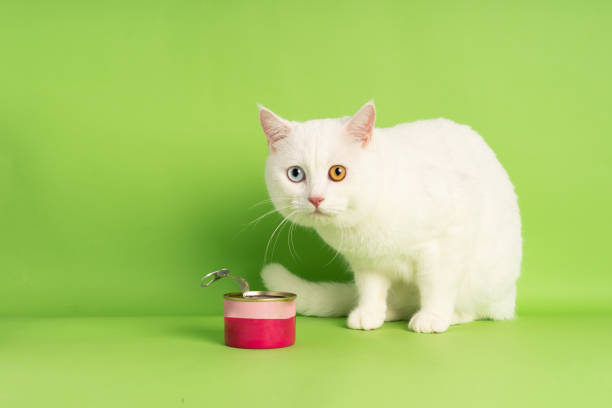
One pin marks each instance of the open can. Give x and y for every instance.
(256, 319)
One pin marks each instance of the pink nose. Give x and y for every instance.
(316, 201)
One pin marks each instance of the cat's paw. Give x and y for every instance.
(428, 322)
(366, 319)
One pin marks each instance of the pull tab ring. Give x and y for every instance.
(222, 273)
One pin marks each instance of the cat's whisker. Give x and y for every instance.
(283, 223)
(339, 247)
(262, 202)
(292, 249)
(266, 214)
(289, 242)
(280, 224)
(256, 220)
(293, 241)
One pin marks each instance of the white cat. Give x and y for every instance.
(423, 212)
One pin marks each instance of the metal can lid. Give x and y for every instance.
(260, 296)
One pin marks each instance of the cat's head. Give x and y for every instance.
(322, 172)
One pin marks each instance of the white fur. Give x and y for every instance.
(426, 217)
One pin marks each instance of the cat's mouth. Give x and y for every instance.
(314, 217)
(303, 215)
(320, 217)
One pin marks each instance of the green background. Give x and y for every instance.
(131, 162)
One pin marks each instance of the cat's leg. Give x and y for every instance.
(436, 277)
(372, 306)
(504, 308)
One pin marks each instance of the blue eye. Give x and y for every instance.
(295, 174)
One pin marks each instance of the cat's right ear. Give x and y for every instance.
(275, 127)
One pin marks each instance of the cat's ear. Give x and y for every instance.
(361, 125)
(275, 127)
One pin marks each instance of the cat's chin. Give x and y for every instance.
(322, 218)
(315, 219)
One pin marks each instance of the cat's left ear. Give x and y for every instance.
(361, 125)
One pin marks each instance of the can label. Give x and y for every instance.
(259, 333)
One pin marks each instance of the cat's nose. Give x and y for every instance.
(316, 201)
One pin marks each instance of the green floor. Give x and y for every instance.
(181, 361)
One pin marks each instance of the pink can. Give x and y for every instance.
(256, 319)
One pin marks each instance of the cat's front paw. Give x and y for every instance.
(366, 319)
(428, 322)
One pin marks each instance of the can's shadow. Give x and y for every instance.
(196, 332)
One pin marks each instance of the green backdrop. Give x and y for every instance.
(131, 154)
(131, 160)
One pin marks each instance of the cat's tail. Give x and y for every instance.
(313, 298)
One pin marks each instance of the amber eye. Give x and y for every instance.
(337, 172)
